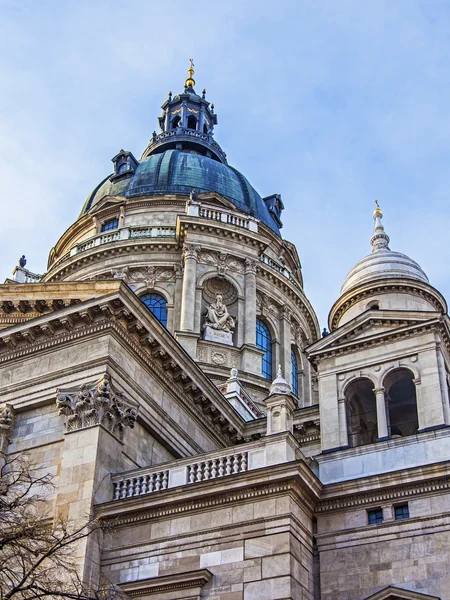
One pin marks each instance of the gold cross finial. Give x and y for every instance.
(190, 82)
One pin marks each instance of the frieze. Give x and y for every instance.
(97, 404)
(222, 261)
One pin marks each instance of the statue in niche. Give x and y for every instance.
(218, 317)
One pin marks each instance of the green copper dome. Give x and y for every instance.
(178, 172)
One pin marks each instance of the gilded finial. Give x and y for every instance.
(378, 209)
(190, 82)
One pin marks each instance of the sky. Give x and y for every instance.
(332, 104)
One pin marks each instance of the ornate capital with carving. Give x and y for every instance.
(7, 419)
(190, 251)
(97, 404)
(250, 266)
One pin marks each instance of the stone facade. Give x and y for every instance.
(168, 371)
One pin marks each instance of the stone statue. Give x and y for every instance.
(217, 316)
(22, 261)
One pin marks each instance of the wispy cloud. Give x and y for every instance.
(331, 104)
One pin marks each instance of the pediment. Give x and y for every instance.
(370, 325)
(394, 593)
(107, 201)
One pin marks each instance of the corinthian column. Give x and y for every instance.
(381, 414)
(250, 302)
(189, 286)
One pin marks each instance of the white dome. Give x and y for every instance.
(382, 263)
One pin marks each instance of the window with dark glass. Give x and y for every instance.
(111, 224)
(264, 342)
(375, 516)
(294, 373)
(401, 512)
(157, 305)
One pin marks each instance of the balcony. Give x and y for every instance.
(125, 233)
(222, 215)
(278, 266)
(268, 451)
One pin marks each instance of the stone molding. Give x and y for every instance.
(395, 593)
(375, 340)
(97, 404)
(164, 358)
(392, 494)
(7, 420)
(169, 583)
(404, 287)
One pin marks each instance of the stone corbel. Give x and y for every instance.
(97, 404)
(7, 420)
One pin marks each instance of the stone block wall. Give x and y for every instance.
(258, 550)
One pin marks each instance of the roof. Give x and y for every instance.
(178, 172)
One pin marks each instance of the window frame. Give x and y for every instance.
(105, 228)
(401, 507)
(378, 513)
(263, 331)
(161, 309)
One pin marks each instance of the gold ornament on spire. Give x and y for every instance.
(190, 81)
(377, 211)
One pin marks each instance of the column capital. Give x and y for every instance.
(379, 390)
(250, 266)
(190, 251)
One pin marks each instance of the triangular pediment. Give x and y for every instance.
(371, 325)
(394, 593)
(108, 201)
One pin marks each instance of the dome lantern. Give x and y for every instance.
(187, 124)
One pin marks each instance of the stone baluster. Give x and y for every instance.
(381, 414)
(250, 302)
(189, 286)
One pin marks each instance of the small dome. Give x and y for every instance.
(383, 263)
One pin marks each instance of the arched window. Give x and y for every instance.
(402, 403)
(122, 168)
(192, 122)
(175, 122)
(156, 305)
(294, 373)
(361, 413)
(264, 342)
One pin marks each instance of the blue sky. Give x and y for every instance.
(331, 103)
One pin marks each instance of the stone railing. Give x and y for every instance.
(22, 275)
(181, 132)
(189, 471)
(229, 217)
(277, 266)
(125, 233)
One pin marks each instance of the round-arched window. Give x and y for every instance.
(294, 373)
(264, 342)
(157, 305)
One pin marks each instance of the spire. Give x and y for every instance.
(190, 82)
(380, 239)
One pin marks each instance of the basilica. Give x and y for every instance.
(169, 371)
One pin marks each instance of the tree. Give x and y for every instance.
(38, 553)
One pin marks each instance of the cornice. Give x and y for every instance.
(124, 315)
(388, 487)
(387, 286)
(167, 583)
(294, 478)
(376, 339)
